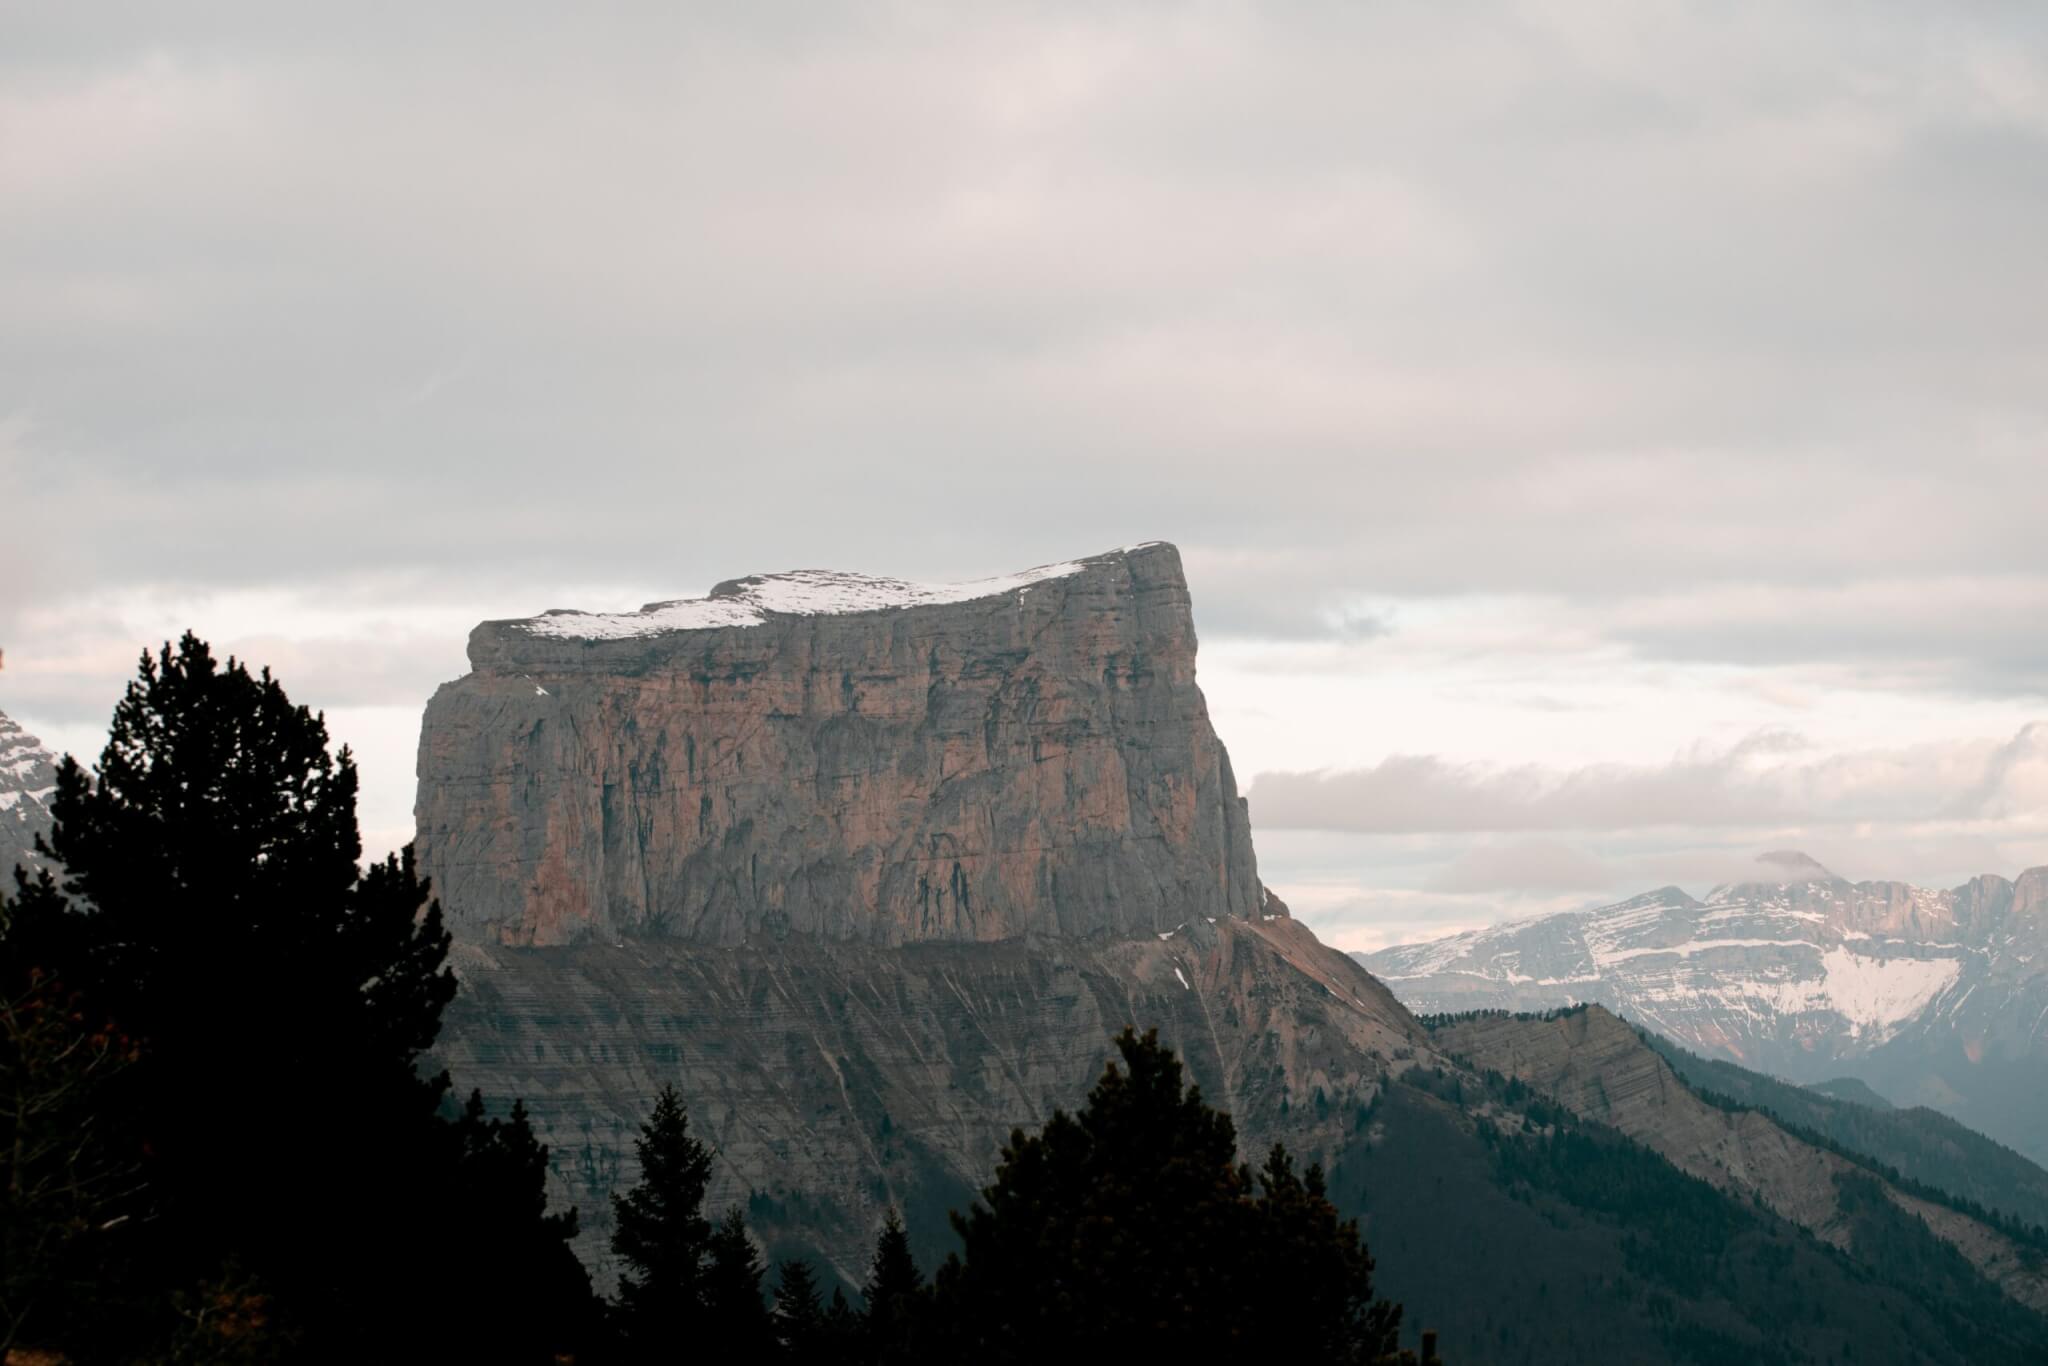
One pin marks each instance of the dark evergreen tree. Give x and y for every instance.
(210, 900)
(800, 1315)
(846, 1336)
(1302, 1256)
(894, 1293)
(504, 1247)
(736, 1316)
(1129, 1227)
(70, 1179)
(661, 1236)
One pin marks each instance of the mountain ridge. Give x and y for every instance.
(28, 776)
(690, 853)
(1922, 994)
(1599, 1066)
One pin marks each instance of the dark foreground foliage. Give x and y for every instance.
(1131, 1225)
(218, 1146)
(1126, 1227)
(221, 1013)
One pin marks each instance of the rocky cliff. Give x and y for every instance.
(842, 757)
(28, 775)
(873, 871)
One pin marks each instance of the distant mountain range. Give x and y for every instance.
(28, 775)
(1936, 998)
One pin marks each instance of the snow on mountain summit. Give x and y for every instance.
(1802, 975)
(28, 775)
(798, 592)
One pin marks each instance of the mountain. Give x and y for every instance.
(1935, 998)
(840, 756)
(28, 775)
(1530, 1234)
(1919, 1145)
(1601, 1068)
(872, 872)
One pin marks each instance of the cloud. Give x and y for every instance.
(1363, 919)
(1749, 784)
(1972, 634)
(1523, 866)
(1568, 353)
(1405, 302)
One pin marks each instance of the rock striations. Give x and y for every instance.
(28, 775)
(840, 757)
(872, 871)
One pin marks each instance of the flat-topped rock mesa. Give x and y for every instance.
(842, 757)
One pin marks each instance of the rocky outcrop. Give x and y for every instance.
(840, 757)
(28, 775)
(873, 872)
(1600, 1068)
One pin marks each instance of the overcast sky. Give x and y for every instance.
(1607, 440)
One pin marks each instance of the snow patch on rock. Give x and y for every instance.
(1883, 993)
(799, 592)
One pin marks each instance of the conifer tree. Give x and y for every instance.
(1301, 1255)
(799, 1314)
(845, 1329)
(211, 902)
(70, 1177)
(893, 1292)
(503, 1246)
(1129, 1227)
(735, 1315)
(661, 1235)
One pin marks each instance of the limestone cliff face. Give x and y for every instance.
(839, 757)
(872, 872)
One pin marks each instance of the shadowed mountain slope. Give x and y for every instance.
(1601, 1068)
(1921, 1145)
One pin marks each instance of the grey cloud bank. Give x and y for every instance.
(1750, 784)
(1712, 334)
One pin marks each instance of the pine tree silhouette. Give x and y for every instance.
(799, 1315)
(845, 1330)
(736, 1317)
(515, 1252)
(894, 1293)
(1128, 1227)
(662, 1237)
(211, 902)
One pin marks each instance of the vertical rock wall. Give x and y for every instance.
(788, 757)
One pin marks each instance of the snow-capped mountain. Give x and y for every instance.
(1932, 997)
(28, 775)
